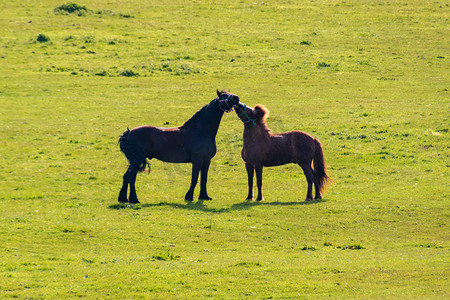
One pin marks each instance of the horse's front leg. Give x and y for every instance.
(204, 179)
(195, 170)
(258, 170)
(250, 172)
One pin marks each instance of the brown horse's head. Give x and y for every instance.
(255, 115)
(227, 100)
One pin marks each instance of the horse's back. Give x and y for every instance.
(291, 147)
(303, 146)
(165, 144)
(144, 135)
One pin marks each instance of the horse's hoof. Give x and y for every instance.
(134, 200)
(308, 199)
(318, 197)
(260, 200)
(123, 200)
(249, 199)
(205, 198)
(188, 199)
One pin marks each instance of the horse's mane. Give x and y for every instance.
(263, 112)
(200, 114)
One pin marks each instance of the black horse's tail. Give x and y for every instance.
(138, 161)
(320, 168)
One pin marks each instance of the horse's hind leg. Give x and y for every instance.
(124, 190)
(317, 188)
(258, 172)
(132, 179)
(129, 178)
(310, 178)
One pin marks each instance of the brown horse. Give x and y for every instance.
(193, 142)
(264, 149)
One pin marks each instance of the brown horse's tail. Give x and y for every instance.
(320, 168)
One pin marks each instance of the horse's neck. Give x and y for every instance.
(208, 121)
(260, 132)
(211, 124)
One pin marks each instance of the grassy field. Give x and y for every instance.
(369, 79)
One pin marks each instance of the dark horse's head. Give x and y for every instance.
(255, 115)
(227, 100)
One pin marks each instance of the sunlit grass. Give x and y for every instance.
(368, 79)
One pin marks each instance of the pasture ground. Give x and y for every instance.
(370, 79)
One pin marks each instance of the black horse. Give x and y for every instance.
(193, 142)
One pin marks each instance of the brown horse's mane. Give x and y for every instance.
(262, 113)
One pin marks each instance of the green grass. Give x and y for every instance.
(368, 78)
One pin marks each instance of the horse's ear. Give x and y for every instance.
(218, 93)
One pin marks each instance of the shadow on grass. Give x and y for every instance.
(250, 204)
(200, 206)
